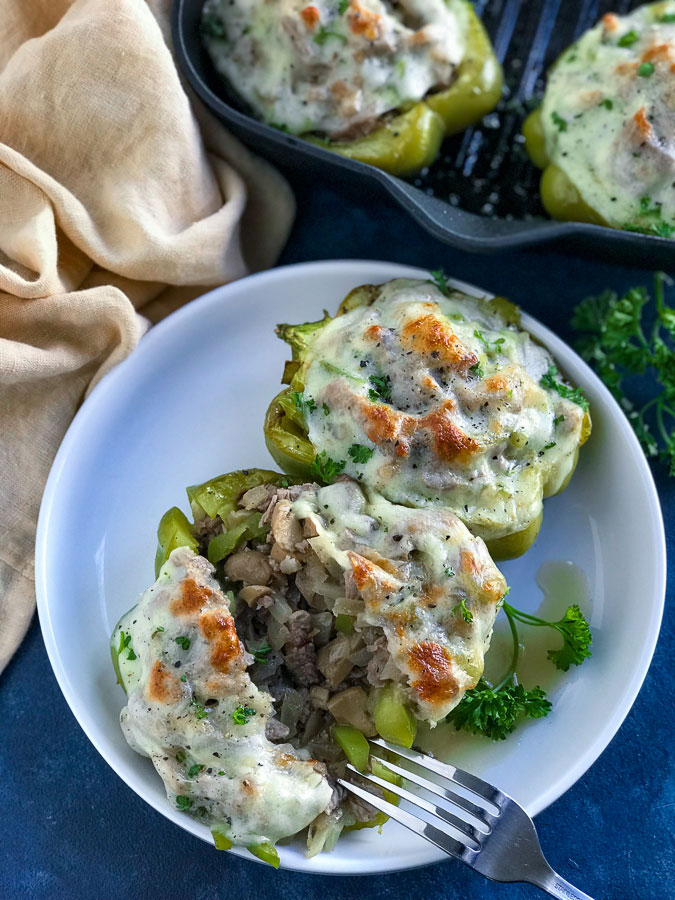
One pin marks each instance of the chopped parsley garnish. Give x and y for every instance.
(125, 640)
(558, 121)
(558, 420)
(194, 770)
(646, 208)
(181, 756)
(242, 714)
(607, 103)
(491, 347)
(645, 69)
(303, 404)
(439, 278)
(628, 39)
(549, 446)
(343, 6)
(494, 711)
(183, 802)
(461, 609)
(157, 631)
(450, 572)
(477, 370)
(326, 469)
(183, 641)
(576, 395)
(260, 653)
(667, 18)
(183, 678)
(658, 229)
(212, 26)
(360, 453)
(221, 772)
(200, 712)
(325, 409)
(324, 34)
(616, 341)
(131, 655)
(381, 388)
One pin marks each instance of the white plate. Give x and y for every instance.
(189, 404)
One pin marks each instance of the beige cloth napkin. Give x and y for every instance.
(113, 199)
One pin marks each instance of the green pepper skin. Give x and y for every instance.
(478, 86)
(412, 139)
(175, 530)
(218, 497)
(393, 719)
(560, 197)
(513, 545)
(266, 852)
(287, 442)
(354, 745)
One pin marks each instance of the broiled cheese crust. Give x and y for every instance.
(609, 117)
(317, 67)
(184, 670)
(446, 398)
(420, 576)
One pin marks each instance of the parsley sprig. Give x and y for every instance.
(381, 388)
(552, 380)
(439, 278)
(325, 469)
(242, 714)
(359, 453)
(495, 711)
(619, 344)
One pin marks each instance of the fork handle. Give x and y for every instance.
(557, 886)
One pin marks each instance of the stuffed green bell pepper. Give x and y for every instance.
(605, 132)
(245, 688)
(431, 397)
(376, 81)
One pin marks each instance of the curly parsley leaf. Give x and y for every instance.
(242, 714)
(575, 633)
(359, 453)
(628, 336)
(381, 388)
(462, 610)
(261, 653)
(495, 713)
(551, 380)
(439, 278)
(491, 347)
(303, 404)
(326, 469)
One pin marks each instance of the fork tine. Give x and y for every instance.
(418, 826)
(469, 835)
(482, 789)
(475, 811)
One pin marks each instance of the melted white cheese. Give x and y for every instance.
(327, 66)
(412, 569)
(185, 683)
(609, 117)
(467, 424)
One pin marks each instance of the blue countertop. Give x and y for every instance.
(74, 830)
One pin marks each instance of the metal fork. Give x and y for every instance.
(492, 833)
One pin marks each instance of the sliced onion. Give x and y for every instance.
(280, 609)
(322, 623)
(290, 710)
(277, 634)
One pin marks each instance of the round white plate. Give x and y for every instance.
(189, 403)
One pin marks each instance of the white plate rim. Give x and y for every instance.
(227, 293)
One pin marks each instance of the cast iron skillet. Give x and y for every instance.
(481, 195)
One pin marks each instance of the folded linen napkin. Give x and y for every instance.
(116, 195)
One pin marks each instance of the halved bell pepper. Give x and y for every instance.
(412, 139)
(560, 197)
(393, 719)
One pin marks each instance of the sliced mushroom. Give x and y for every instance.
(249, 566)
(350, 707)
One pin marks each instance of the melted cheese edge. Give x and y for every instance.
(465, 427)
(311, 67)
(609, 116)
(251, 789)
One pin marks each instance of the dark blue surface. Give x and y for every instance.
(72, 829)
